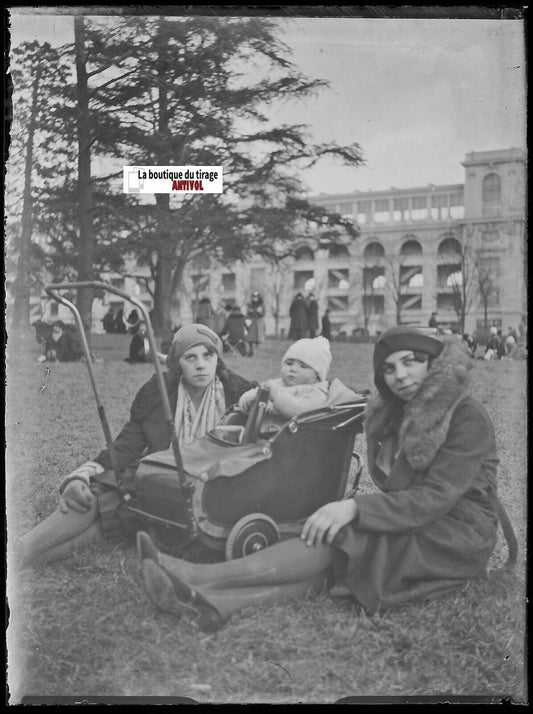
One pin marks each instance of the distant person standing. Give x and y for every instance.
(433, 322)
(205, 313)
(256, 327)
(512, 351)
(221, 315)
(119, 324)
(326, 326)
(139, 346)
(108, 321)
(298, 314)
(493, 345)
(312, 315)
(133, 321)
(501, 345)
(236, 329)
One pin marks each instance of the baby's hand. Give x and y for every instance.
(247, 399)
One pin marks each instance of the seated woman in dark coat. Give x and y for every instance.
(139, 345)
(200, 390)
(430, 528)
(62, 344)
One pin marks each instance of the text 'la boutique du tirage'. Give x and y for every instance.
(166, 179)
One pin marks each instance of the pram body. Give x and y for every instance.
(248, 495)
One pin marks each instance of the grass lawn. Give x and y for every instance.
(86, 627)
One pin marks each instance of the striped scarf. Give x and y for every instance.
(191, 424)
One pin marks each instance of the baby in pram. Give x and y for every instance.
(302, 384)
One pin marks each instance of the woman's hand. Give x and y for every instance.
(77, 496)
(325, 523)
(247, 399)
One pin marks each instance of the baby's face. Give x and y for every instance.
(293, 372)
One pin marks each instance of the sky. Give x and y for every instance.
(415, 94)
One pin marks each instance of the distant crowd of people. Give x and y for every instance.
(498, 347)
(239, 331)
(243, 331)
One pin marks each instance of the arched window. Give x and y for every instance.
(449, 250)
(373, 252)
(304, 253)
(411, 249)
(491, 195)
(338, 251)
(449, 260)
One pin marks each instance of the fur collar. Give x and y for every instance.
(425, 420)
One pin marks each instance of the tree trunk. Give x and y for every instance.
(20, 324)
(165, 253)
(162, 318)
(398, 312)
(367, 305)
(86, 237)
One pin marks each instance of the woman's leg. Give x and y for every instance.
(210, 608)
(288, 561)
(61, 533)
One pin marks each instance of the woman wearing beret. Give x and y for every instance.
(200, 390)
(429, 528)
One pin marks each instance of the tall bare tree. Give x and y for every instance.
(463, 283)
(85, 199)
(34, 68)
(487, 280)
(394, 283)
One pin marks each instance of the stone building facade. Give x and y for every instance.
(420, 249)
(417, 249)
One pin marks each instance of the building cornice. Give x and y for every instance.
(389, 193)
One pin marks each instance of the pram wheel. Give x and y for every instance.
(251, 533)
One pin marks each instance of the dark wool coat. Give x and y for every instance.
(298, 314)
(236, 327)
(137, 351)
(147, 429)
(326, 327)
(433, 525)
(256, 314)
(312, 315)
(67, 348)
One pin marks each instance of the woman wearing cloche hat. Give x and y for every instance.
(428, 529)
(200, 388)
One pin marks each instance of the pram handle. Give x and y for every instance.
(255, 417)
(51, 290)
